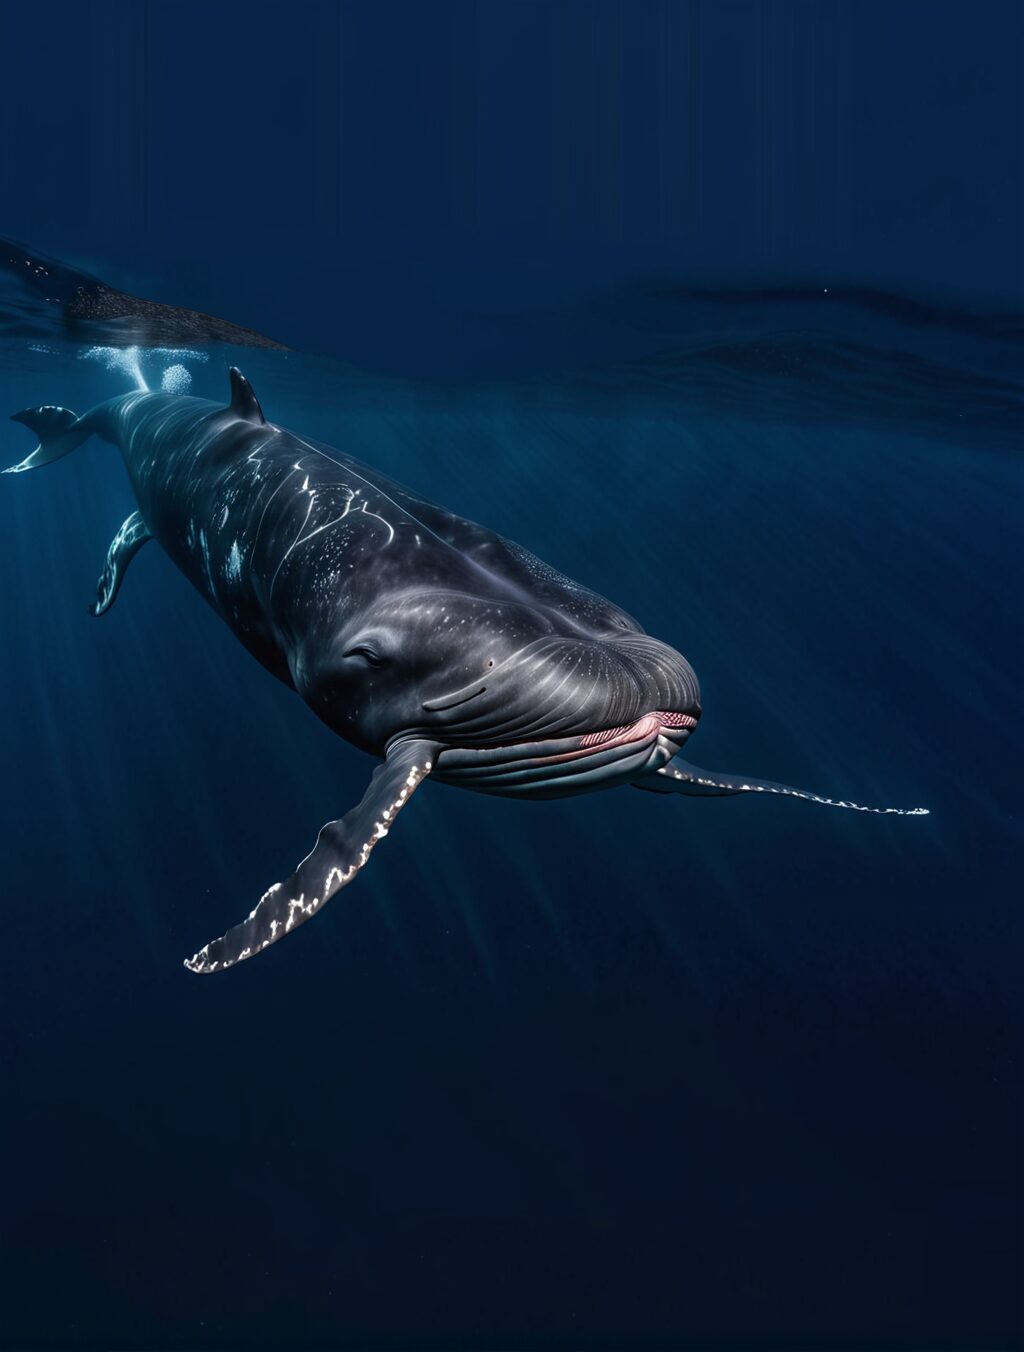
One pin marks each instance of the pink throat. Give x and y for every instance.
(648, 726)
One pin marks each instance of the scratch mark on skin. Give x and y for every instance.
(366, 512)
(263, 514)
(284, 558)
(302, 538)
(207, 569)
(251, 458)
(356, 475)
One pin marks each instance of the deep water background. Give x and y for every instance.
(716, 308)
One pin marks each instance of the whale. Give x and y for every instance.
(443, 649)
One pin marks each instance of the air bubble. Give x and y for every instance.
(175, 380)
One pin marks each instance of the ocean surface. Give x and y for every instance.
(613, 1071)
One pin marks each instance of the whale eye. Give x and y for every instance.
(364, 653)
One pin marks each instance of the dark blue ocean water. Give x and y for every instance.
(614, 1071)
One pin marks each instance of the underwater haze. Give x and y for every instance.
(716, 308)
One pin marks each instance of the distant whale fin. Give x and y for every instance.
(129, 539)
(341, 850)
(244, 403)
(681, 777)
(59, 431)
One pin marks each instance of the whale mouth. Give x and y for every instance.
(557, 766)
(664, 719)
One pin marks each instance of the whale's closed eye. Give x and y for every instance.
(365, 653)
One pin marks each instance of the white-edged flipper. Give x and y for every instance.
(681, 777)
(129, 539)
(341, 850)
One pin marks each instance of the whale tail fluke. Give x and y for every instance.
(59, 431)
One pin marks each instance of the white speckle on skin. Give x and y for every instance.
(233, 565)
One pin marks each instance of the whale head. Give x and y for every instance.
(518, 701)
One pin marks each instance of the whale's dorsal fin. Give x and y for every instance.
(244, 403)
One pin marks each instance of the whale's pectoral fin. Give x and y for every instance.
(678, 777)
(681, 777)
(341, 850)
(129, 539)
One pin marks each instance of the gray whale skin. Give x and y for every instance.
(422, 638)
